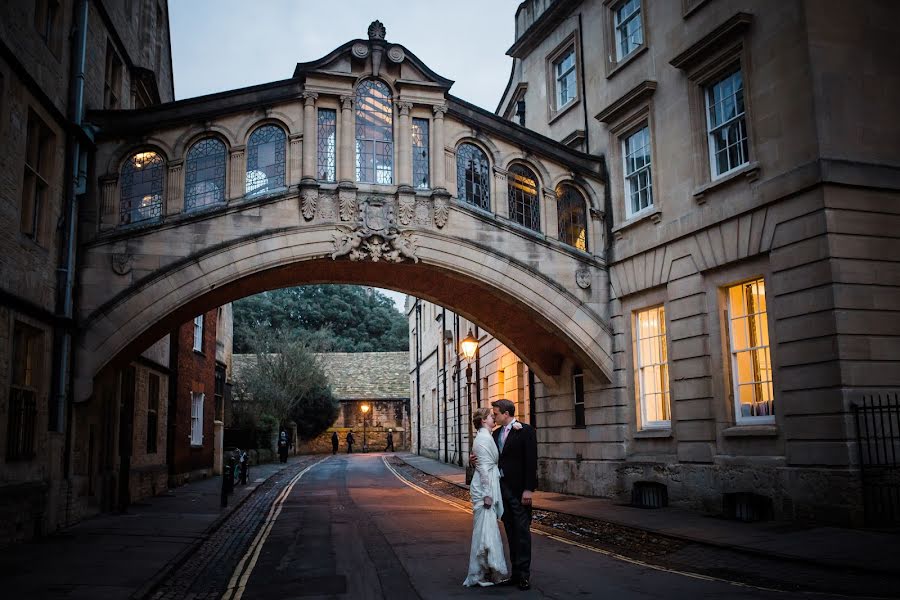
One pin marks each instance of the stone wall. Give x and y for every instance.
(383, 415)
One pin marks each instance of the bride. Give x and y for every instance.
(487, 564)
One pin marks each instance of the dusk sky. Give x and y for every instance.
(227, 44)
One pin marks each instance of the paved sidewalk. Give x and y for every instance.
(832, 547)
(122, 555)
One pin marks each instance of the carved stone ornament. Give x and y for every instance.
(377, 30)
(583, 278)
(121, 263)
(309, 197)
(376, 236)
(423, 218)
(360, 50)
(348, 203)
(326, 208)
(396, 54)
(441, 211)
(407, 209)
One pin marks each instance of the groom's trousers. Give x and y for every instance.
(517, 523)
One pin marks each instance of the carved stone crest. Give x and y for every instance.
(583, 278)
(121, 263)
(376, 236)
(441, 211)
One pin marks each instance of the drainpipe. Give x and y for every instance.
(477, 371)
(458, 392)
(62, 419)
(418, 377)
(444, 346)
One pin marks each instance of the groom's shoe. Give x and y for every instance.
(524, 584)
(510, 581)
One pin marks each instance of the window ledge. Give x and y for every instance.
(654, 215)
(556, 114)
(751, 431)
(579, 426)
(625, 61)
(750, 171)
(653, 433)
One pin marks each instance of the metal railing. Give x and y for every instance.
(878, 437)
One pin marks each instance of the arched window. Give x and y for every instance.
(473, 176)
(142, 188)
(571, 216)
(524, 207)
(204, 174)
(265, 160)
(374, 133)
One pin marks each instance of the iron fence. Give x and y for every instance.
(878, 437)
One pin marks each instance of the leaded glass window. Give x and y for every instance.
(473, 176)
(374, 133)
(204, 174)
(142, 188)
(524, 208)
(570, 211)
(265, 160)
(726, 124)
(326, 144)
(420, 153)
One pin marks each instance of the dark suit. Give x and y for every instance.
(518, 463)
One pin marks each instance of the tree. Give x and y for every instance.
(360, 319)
(286, 382)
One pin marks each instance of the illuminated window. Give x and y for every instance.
(751, 362)
(652, 368)
(204, 174)
(142, 188)
(524, 206)
(265, 160)
(570, 213)
(374, 133)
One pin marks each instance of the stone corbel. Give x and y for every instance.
(441, 200)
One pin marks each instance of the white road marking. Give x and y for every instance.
(241, 575)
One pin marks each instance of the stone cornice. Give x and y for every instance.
(632, 97)
(538, 30)
(697, 51)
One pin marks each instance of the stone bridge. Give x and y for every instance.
(361, 168)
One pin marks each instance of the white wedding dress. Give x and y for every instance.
(487, 564)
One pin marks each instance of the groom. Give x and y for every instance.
(517, 443)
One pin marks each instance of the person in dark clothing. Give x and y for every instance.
(390, 441)
(334, 442)
(283, 446)
(349, 442)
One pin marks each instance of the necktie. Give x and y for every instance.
(503, 435)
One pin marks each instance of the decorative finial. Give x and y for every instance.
(377, 30)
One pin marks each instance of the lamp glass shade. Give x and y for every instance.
(364, 408)
(469, 346)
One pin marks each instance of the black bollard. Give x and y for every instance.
(227, 481)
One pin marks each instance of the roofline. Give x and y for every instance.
(537, 31)
(512, 73)
(479, 118)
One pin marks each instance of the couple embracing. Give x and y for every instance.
(505, 478)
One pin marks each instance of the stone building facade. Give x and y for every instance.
(45, 161)
(752, 200)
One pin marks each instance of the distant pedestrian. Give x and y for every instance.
(283, 446)
(349, 442)
(334, 442)
(390, 441)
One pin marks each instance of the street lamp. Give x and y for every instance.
(365, 411)
(469, 346)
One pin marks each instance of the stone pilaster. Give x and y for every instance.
(404, 146)
(174, 202)
(439, 176)
(345, 147)
(295, 154)
(500, 193)
(309, 135)
(238, 172)
(109, 202)
(549, 217)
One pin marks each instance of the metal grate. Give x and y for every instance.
(649, 494)
(878, 436)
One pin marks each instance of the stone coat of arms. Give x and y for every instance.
(376, 236)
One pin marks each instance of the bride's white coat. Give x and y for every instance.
(487, 564)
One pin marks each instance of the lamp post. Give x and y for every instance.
(365, 411)
(469, 346)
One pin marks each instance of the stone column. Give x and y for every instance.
(346, 165)
(174, 201)
(309, 136)
(439, 178)
(549, 216)
(404, 146)
(109, 203)
(295, 154)
(238, 172)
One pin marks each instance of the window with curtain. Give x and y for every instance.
(572, 217)
(726, 124)
(198, 333)
(204, 174)
(473, 176)
(142, 188)
(326, 150)
(751, 361)
(420, 153)
(197, 419)
(374, 133)
(524, 206)
(265, 160)
(651, 359)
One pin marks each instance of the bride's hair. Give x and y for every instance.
(479, 416)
